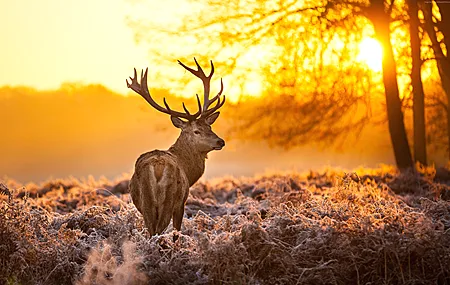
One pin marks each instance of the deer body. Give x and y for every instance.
(159, 189)
(160, 184)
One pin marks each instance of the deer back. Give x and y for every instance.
(157, 186)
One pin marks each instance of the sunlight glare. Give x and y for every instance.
(370, 53)
(253, 88)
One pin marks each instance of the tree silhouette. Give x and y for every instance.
(300, 73)
(380, 15)
(437, 25)
(420, 151)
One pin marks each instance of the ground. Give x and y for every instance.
(371, 226)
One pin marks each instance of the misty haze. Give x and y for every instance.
(88, 130)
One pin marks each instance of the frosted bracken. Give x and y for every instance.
(313, 228)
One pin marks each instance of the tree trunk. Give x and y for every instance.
(444, 9)
(442, 60)
(420, 149)
(397, 131)
(448, 127)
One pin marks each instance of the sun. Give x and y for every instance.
(370, 53)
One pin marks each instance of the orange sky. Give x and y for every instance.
(47, 42)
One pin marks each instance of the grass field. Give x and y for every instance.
(371, 226)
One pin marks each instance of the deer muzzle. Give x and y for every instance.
(220, 144)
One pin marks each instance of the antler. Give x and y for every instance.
(206, 89)
(142, 89)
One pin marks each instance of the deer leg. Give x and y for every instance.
(149, 223)
(177, 220)
(163, 219)
(144, 206)
(178, 217)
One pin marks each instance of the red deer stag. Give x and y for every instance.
(161, 180)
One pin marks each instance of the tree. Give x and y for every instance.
(437, 24)
(312, 26)
(304, 102)
(420, 150)
(381, 19)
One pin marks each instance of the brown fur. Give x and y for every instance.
(159, 168)
(160, 184)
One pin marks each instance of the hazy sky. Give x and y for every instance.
(47, 42)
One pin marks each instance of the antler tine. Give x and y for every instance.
(185, 109)
(219, 104)
(218, 94)
(205, 79)
(167, 105)
(199, 72)
(144, 80)
(199, 68)
(142, 89)
(215, 108)
(206, 86)
(198, 103)
(212, 69)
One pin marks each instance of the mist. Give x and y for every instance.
(83, 131)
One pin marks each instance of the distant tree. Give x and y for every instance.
(302, 108)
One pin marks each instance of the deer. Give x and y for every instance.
(159, 186)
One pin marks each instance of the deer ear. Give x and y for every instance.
(177, 122)
(212, 118)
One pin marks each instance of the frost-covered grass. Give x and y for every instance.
(371, 226)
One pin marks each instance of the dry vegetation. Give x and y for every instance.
(368, 227)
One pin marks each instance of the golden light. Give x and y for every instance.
(370, 53)
(253, 88)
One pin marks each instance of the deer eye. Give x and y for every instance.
(196, 132)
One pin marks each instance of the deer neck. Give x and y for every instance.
(189, 158)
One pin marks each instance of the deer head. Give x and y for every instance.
(195, 128)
